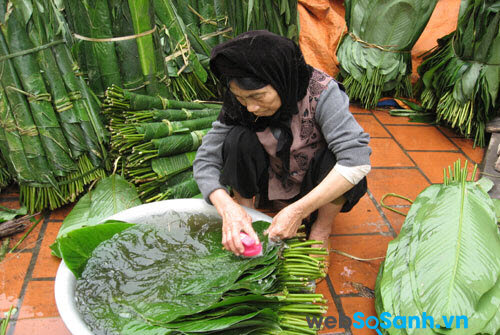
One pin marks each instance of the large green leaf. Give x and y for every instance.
(111, 195)
(457, 260)
(445, 262)
(77, 246)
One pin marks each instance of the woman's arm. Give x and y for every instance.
(288, 220)
(208, 163)
(348, 142)
(207, 170)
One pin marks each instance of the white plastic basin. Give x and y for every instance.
(147, 213)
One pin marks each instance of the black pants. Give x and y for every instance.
(246, 165)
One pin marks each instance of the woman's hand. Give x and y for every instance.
(286, 223)
(234, 220)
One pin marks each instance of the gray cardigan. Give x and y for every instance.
(344, 136)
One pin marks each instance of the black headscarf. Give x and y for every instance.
(274, 60)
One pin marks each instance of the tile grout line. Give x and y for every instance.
(394, 168)
(29, 273)
(403, 149)
(459, 148)
(409, 125)
(382, 214)
(422, 150)
(338, 304)
(43, 279)
(381, 233)
(2, 199)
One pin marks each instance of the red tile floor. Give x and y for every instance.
(407, 157)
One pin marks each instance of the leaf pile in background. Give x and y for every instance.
(136, 63)
(375, 55)
(52, 137)
(445, 261)
(5, 176)
(278, 16)
(461, 77)
(157, 146)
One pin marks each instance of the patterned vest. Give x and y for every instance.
(307, 140)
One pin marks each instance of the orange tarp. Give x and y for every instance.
(322, 24)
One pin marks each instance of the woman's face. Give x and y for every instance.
(262, 102)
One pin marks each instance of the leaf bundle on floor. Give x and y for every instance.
(374, 55)
(157, 144)
(461, 76)
(445, 262)
(52, 136)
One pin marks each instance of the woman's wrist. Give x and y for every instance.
(301, 209)
(221, 200)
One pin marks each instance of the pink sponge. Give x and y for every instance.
(251, 248)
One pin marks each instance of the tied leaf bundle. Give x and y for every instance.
(119, 99)
(52, 136)
(461, 75)
(375, 55)
(444, 264)
(185, 49)
(158, 144)
(277, 16)
(5, 176)
(120, 44)
(170, 292)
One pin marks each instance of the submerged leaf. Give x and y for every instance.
(77, 246)
(160, 273)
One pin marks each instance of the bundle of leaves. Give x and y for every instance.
(5, 176)
(173, 277)
(375, 55)
(279, 16)
(157, 144)
(189, 30)
(461, 76)
(445, 263)
(118, 43)
(51, 137)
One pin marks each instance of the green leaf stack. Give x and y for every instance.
(52, 136)
(277, 16)
(445, 262)
(118, 44)
(461, 77)
(375, 55)
(157, 144)
(190, 79)
(166, 278)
